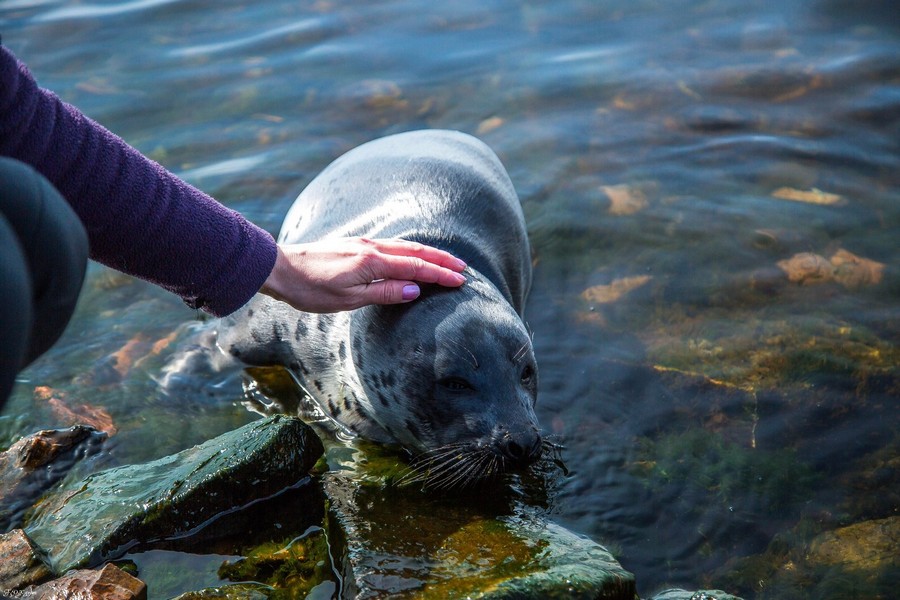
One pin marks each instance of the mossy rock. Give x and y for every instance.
(237, 591)
(391, 541)
(293, 567)
(856, 561)
(109, 512)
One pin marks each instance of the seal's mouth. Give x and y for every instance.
(466, 465)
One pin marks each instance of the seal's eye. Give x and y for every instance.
(455, 384)
(527, 374)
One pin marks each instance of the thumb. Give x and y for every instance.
(392, 291)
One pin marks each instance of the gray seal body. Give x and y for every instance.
(454, 368)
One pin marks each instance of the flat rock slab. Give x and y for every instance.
(394, 544)
(111, 511)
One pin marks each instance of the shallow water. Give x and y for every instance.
(671, 158)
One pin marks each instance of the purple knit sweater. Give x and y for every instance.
(140, 218)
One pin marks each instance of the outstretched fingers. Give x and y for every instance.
(347, 273)
(409, 262)
(428, 254)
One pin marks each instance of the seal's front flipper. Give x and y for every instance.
(253, 336)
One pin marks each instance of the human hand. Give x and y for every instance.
(344, 274)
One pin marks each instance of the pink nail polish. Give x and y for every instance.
(410, 292)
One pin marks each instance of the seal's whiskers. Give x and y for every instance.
(454, 466)
(435, 461)
(468, 473)
(471, 357)
(521, 353)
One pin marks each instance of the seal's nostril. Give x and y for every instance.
(514, 450)
(521, 448)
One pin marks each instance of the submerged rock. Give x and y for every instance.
(36, 463)
(237, 591)
(109, 512)
(295, 567)
(399, 542)
(846, 268)
(677, 594)
(868, 548)
(855, 561)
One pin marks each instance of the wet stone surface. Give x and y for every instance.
(398, 542)
(36, 463)
(111, 511)
(108, 583)
(21, 562)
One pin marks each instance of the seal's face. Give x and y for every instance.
(452, 377)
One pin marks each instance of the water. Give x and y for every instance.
(709, 405)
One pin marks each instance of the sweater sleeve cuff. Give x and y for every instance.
(248, 277)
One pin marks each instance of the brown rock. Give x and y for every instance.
(870, 546)
(813, 196)
(605, 294)
(45, 446)
(75, 414)
(846, 268)
(108, 583)
(21, 562)
(624, 199)
(855, 271)
(807, 268)
(36, 463)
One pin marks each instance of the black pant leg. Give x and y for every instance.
(45, 252)
(15, 308)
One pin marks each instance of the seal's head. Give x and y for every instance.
(452, 377)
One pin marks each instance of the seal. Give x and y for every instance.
(451, 376)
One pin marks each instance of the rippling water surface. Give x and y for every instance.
(711, 190)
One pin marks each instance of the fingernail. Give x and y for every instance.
(461, 264)
(410, 292)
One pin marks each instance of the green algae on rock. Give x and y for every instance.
(108, 512)
(293, 567)
(721, 470)
(855, 561)
(236, 591)
(403, 543)
(867, 548)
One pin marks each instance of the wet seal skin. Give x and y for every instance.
(450, 376)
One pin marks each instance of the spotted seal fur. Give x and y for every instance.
(451, 376)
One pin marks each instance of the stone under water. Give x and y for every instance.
(399, 542)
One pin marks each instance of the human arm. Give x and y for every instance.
(143, 220)
(140, 218)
